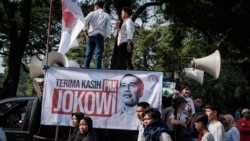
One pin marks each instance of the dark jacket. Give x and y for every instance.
(153, 131)
(90, 136)
(73, 133)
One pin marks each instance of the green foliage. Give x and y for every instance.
(191, 29)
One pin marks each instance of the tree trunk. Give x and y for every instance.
(18, 39)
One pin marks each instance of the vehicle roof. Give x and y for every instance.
(19, 98)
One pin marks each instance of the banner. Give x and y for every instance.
(109, 97)
(72, 23)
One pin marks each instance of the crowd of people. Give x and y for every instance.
(204, 123)
(183, 120)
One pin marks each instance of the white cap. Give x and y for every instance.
(245, 110)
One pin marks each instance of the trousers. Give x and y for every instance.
(124, 57)
(94, 45)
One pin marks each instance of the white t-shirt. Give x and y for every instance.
(232, 134)
(180, 116)
(189, 103)
(2, 135)
(217, 130)
(207, 137)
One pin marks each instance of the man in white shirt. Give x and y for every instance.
(97, 29)
(125, 40)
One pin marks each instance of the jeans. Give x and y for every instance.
(95, 43)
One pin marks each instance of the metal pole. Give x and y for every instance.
(56, 133)
(48, 35)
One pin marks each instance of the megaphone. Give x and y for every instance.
(35, 67)
(210, 64)
(194, 74)
(54, 59)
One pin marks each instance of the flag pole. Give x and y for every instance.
(48, 36)
(48, 50)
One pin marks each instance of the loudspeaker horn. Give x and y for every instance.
(35, 68)
(194, 74)
(54, 59)
(210, 64)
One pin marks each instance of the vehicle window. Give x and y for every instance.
(5, 107)
(13, 113)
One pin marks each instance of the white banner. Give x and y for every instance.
(72, 24)
(109, 97)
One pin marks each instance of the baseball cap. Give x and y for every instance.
(245, 110)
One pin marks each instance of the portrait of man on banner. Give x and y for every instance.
(130, 91)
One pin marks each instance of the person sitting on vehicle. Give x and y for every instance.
(75, 125)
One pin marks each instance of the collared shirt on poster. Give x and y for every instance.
(126, 32)
(125, 118)
(99, 22)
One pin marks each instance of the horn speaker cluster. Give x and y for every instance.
(210, 64)
(54, 59)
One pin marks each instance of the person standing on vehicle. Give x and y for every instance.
(97, 29)
(125, 40)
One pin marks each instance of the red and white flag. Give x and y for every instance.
(72, 23)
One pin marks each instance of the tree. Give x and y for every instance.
(21, 21)
(189, 29)
(17, 36)
(23, 30)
